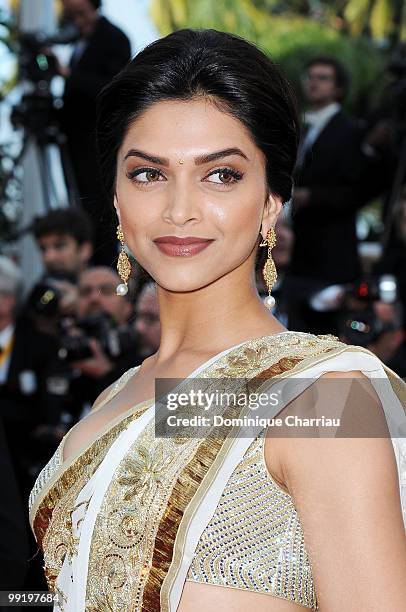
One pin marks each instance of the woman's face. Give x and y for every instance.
(188, 170)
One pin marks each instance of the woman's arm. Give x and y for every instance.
(346, 493)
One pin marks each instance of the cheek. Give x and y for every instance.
(241, 218)
(137, 209)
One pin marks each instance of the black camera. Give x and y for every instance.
(114, 340)
(45, 297)
(38, 111)
(361, 324)
(36, 65)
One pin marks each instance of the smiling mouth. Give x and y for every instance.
(182, 247)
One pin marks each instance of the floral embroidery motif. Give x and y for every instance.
(144, 472)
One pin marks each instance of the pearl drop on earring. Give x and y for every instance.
(269, 301)
(122, 289)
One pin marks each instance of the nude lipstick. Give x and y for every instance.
(182, 247)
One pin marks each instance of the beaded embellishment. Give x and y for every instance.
(254, 541)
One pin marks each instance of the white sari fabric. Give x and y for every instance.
(171, 491)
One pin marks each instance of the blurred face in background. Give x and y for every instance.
(82, 13)
(147, 324)
(97, 295)
(319, 85)
(62, 253)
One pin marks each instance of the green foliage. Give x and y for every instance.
(7, 52)
(290, 39)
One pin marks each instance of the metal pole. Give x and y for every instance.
(34, 16)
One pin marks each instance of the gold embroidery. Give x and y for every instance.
(58, 540)
(123, 535)
(133, 537)
(144, 504)
(144, 472)
(52, 522)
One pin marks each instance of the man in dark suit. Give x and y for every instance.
(24, 355)
(99, 54)
(329, 167)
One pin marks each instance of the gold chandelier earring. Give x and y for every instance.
(123, 265)
(269, 271)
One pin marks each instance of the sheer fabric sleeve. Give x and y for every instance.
(350, 395)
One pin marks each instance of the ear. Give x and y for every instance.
(86, 251)
(272, 208)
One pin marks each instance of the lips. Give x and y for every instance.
(179, 240)
(182, 247)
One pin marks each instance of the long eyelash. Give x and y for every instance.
(133, 173)
(234, 173)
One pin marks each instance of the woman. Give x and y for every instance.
(198, 140)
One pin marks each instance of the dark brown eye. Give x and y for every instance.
(152, 175)
(145, 175)
(225, 177)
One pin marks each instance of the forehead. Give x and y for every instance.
(52, 238)
(324, 68)
(193, 126)
(98, 276)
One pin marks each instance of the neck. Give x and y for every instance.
(210, 319)
(317, 106)
(95, 19)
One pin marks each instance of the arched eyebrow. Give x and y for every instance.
(200, 160)
(209, 157)
(162, 161)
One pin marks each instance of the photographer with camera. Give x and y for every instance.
(372, 316)
(101, 343)
(393, 262)
(65, 238)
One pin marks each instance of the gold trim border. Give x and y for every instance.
(399, 388)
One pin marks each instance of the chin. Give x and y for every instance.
(183, 281)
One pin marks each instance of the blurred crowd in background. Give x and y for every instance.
(71, 335)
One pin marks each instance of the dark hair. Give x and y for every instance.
(239, 77)
(96, 3)
(341, 75)
(72, 222)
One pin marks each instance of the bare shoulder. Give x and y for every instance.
(346, 491)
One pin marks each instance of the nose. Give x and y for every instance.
(49, 256)
(182, 206)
